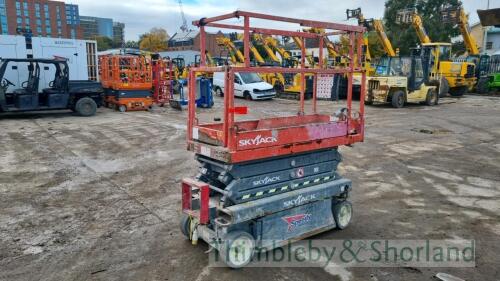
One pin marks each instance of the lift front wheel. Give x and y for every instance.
(185, 226)
(342, 213)
(237, 249)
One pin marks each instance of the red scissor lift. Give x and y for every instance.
(265, 182)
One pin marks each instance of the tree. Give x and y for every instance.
(154, 41)
(132, 44)
(404, 37)
(104, 43)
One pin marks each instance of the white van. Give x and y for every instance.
(246, 85)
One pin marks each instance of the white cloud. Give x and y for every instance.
(141, 15)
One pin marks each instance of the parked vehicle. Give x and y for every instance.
(402, 80)
(83, 97)
(246, 85)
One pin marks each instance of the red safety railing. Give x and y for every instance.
(232, 142)
(125, 72)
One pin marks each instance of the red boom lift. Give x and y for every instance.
(266, 182)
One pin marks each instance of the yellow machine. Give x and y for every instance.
(400, 81)
(288, 85)
(457, 15)
(457, 78)
(310, 59)
(235, 54)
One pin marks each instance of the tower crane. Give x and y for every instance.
(184, 26)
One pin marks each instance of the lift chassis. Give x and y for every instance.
(263, 183)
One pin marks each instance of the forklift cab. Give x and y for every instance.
(409, 67)
(26, 95)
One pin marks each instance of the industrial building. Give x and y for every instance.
(118, 33)
(190, 41)
(39, 18)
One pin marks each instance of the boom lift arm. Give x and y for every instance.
(410, 16)
(457, 15)
(298, 41)
(270, 53)
(378, 26)
(236, 55)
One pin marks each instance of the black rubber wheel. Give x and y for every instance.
(482, 85)
(237, 249)
(444, 87)
(86, 107)
(459, 91)
(219, 92)
(247, 96)
(342, 213)
(398, 99)
(432, 98)
(185, 222)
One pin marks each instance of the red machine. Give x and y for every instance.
(233, 142)
(163, 75)
(263, 183)
(135, 82)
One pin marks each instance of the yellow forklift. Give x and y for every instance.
(402, 80)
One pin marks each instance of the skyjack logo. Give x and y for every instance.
(297, 220)
(299, 200)
(258, 140)
(266, 180)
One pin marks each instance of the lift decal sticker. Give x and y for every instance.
(297, 220)
(266, 180)
(299, 200)
(258, 140)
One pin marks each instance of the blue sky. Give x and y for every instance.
(141, 15)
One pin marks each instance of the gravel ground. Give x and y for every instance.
(99, 198)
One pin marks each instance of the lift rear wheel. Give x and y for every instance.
(237, 249)
(342, 213)
(86, 107)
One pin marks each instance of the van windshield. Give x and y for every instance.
(250, 78)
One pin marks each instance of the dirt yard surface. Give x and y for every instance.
(99, 198)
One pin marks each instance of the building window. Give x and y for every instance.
(73, 33)
(27, 21)
(38, 22)
(59, 23)
(46, 10)
(18, 5)
(37, 10)
(39, 29)
(19, 20)
(3, 18)
(48, 29)
(489, 45)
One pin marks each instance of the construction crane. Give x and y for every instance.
(184, 26)
(457, 15)
(410, 16)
